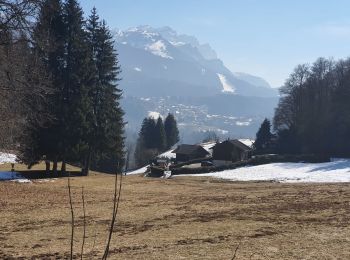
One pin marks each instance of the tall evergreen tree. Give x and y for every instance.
(105, 140)
(146, 147)
(78, 78)
(148, 133)
(49, 45)
(263, 137)
(32, 110)
(160, 139)
(171, 130)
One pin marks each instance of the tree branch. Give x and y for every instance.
(84, 224)
(72, 218)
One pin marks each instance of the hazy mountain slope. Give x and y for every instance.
(163, 71)
(178, 60)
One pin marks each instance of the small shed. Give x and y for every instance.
(230, 151)
(188, 152)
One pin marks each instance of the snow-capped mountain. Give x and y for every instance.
(163, 71)
(161, 62)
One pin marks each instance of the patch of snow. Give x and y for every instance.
(227, 87)
(46, 180)
(149, 34)
(165, 67)
(168, 154)
(336, 171)
(158, 48)
(133, 29)
(210, 116)
(7, 158)
(124, 43)
(153, 114)
(13, 176)
(207, 146)
(138, 69)
(177, 43)
(145, 99)
(243, 123)
(138, 171)
(247, 142)
(22, 180)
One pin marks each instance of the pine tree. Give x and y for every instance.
(148, 133)
(171, 130)
(32, 109)
(78, 77)
(48, 44)
(263, 136)
(106, 140)
(160, 135)
(146, 147)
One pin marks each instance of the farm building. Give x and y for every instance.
(187, 152)
(230, 151)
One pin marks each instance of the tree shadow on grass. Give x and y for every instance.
(42, 174)
(337, 165)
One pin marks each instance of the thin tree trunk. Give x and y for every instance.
(86, 166)
(47, 165)
(116, 201)
(54, 166)
(63, 167)
(72, 218)
(84, 224)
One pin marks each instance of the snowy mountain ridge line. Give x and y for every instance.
(172, 63)
(170, 36)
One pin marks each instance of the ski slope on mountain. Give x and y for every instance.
(227, 87)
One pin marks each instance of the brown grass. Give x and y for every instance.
(181, 218)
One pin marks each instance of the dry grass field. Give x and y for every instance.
(180, 218)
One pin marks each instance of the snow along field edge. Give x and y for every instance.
(330, 172)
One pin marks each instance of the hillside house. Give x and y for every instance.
(230, 151)
(188, 152)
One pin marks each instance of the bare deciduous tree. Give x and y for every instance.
(23, 83)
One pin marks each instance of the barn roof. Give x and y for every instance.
(238, 144)
(190, 149)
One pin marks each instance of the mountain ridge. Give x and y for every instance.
(166, 72)
(178, 60)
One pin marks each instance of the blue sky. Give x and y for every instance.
(267, 38)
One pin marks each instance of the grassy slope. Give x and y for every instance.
(181, 218)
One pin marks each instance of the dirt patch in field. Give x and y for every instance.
(181, 218)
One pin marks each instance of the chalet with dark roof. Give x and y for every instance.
(230, 151)
(188, 152)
